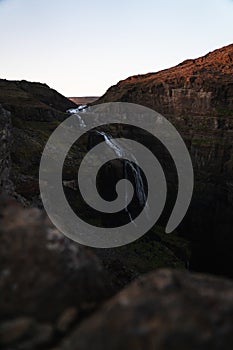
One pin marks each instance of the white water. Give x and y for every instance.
(123, 153)
(81, 121)
(140, 191)
(77, 110)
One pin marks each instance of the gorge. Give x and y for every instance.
(55, 293)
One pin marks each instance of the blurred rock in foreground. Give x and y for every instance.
(47, 282)
(52, 293)
(165, 310)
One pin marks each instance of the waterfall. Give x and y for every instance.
(124, 154)
(81, 121)
(120, 152)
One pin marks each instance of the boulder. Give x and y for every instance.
(42, 273)
(164, 310)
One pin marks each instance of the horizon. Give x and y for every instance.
(93, 96)
(111, 46)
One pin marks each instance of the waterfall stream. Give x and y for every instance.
(129, 168)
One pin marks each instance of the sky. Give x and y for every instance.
(81, 48)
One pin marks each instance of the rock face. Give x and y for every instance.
(35, 111)
(46, 281)
(197, 97)
(32, 101)
(164, 310)
(5, 147)
(196, 86)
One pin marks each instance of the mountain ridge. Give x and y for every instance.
(25, 98)
(228, 49)
(200, 74)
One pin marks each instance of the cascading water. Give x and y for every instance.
(81, 121)
(130, 168)
(123, 153)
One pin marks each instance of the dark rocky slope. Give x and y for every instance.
(47, 282)
(197, 97)
(29, 113)
(32, 101)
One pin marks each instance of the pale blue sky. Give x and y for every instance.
(82, 47)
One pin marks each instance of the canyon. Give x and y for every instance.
(58, 294)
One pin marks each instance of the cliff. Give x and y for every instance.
(29, 113)
(198, 86)
(197, 97)
(32, 100)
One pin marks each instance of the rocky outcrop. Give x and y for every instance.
(46, 282)
(53, 290)
(33, 101)
(34, 111)
(197, 97)
(166, 309)
(196, 86)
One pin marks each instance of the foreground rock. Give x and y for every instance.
(46, 282)
(25, 333)
(165, 310)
